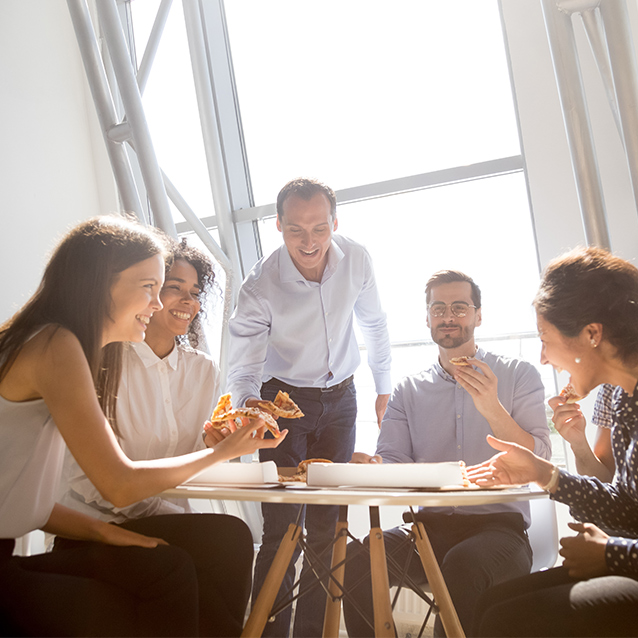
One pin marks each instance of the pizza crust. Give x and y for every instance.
(460, 361)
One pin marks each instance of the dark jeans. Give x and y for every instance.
(551, 603)
(221, 549)
(98, 590)
(326, 431)
(474, 552)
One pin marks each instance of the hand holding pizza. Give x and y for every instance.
(233, 440)
(568, 420)
(480, 384)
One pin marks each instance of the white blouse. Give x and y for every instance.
(161, 409)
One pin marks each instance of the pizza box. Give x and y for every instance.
(397, 475)
(253, 473)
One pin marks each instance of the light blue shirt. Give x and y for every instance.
(431, 419)
(301, 331)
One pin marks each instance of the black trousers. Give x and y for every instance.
(475, 551)
(221, 550)
(551, 603)
(98, 590)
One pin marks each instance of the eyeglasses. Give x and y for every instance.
(458, 308)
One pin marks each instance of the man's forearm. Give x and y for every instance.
(505, 427)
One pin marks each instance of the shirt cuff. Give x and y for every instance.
(382, 382)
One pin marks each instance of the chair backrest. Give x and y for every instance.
(543, 533)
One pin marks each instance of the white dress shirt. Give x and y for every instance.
(301, 331)
(162, 405)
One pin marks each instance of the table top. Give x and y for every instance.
(355, 496)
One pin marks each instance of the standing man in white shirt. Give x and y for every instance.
(292, 330)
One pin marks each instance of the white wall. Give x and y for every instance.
(50, 144)
(555, 207)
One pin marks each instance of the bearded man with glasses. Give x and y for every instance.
(444, 414)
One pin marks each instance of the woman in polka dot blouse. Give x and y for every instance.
(587, 313)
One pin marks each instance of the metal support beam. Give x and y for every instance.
(210, 133)
(106, 113)
(576, 117)
(132, 101)
(625, 73)
(153, 43)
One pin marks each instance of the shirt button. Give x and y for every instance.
(458, 416)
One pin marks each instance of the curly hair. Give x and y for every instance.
(206, 280)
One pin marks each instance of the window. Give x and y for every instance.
(365, 91)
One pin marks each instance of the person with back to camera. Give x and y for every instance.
(167, 391)
(293, 331)
(60, 358)
(594, 337)
(443, 414)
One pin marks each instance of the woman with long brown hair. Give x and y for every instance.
(99, 289)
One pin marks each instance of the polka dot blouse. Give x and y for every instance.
(612, 506)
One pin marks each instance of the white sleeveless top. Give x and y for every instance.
(31, 457)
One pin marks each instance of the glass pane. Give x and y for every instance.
(361, 91)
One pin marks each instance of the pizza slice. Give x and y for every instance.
(300, 476)
(223, 405)
(283, 406)
(225, 412)
(569, 395)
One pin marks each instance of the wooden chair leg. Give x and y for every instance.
(383, 621)
(332, 616)
(448, 614)
(260, 611)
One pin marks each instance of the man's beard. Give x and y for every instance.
(448, 341)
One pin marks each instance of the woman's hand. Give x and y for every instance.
(232, 441)
(114, 535)
(514, 465)
(569, 421)
(68, 523)
(584, 554)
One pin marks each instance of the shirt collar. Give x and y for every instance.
(149, 358)
(288, 271)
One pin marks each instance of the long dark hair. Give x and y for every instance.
(590, 285)
(203, 265)
(75, 294)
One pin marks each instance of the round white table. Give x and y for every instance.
(344, 496)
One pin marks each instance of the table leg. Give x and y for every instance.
(332, 616)
(383, 621)
(260, 611)
(448, 614)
